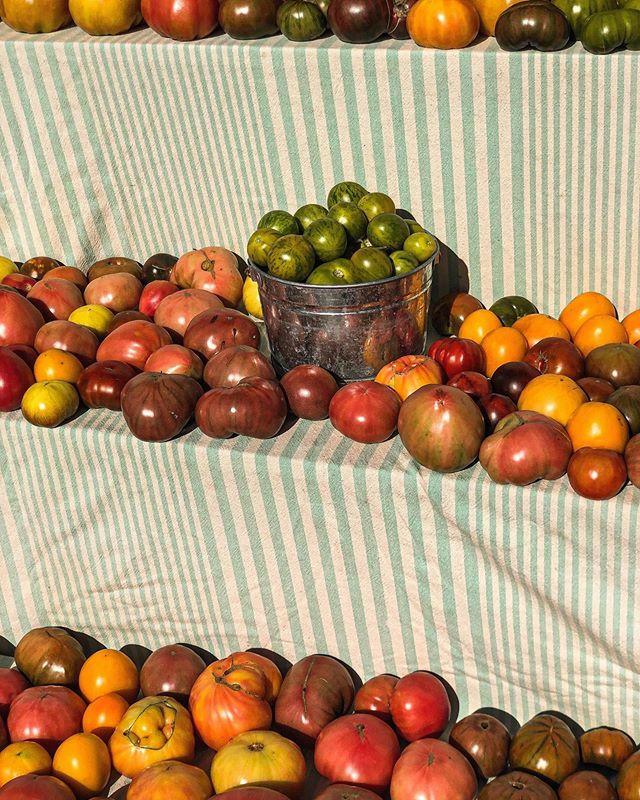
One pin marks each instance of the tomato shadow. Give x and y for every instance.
(454, 702)
(90, 645)
(283, 664)
(205, 655)
(7, 649)
(508, 720)
(137, 653)
(450, 274)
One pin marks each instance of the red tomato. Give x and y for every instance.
(597, 474)
(433, 770)
(45, 714)
(358, 749)
(458, 355)
(420, 706)
(365, 411)
(213, 269)
(183, 20)
(374, 697)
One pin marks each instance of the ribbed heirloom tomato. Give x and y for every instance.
(408, 373)
(444, 24)
(598, 425)
(555, 396)
(584, 307)
(109, 671)
(103, 715)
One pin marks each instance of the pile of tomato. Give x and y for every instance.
(252, 726)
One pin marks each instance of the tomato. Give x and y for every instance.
(103, 715)
(408, 373)
(598, 425)
(555, 396)
(36, 787)
(606, 747)
(57, 365)
(433, 770)
(365, 411)
(213, 269)
(485, 741)
(444, 24)
(513, 785)
(374, 697)
(632, 326)
(83, 763)
(251, 298)
(449, 312)
(489, 11)
(72, 274)
(357, 749)
(234, 695)
(584, 307)
(597, 474)
(628, 781)
(546, 746)
(96, 318)
(557, 356)
(170, 779)
(50, 403)
(458, 355)
(586, 785)
(154, 729)
(23, 758)
(501, 346)
(536, 327)
(36, 16)
(7, 267)
(109, 671)
(260, 758)
(478, 324)
(420, 706)
(597, 331)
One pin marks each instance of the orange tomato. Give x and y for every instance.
(233, 696)
(632, 326)
(103, 715)
(555, 396)
(584, 307)
(82, 761)
(598, 425)
(57, 365)
(536, 327)
(478, 324)
(409, 373)
(23, 758)
(489, 11)
(599, 330)
(106, 672)
(154, 729)
(444, 24)
(501, 346)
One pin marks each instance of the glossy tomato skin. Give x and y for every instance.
(233, 696)
(511, 378)
(153, 294)
(557, 356)
(632, 459)
(170, 779)
(314, 692)
(365, 411)
(36, 787)
(408, 373)
(72, 274)
(534, 24)
(171, 671)
(65, 335)
(20, 320)
(484, 741)
(118, 292)
(617, 363)
(55, 298)
(38, 267)
(458, 355)
(495, 407)
(545, 746)
(359, 749)
(213, 269)
(158, 267)
(472, 383)
(596, 389)
(448, 313)
(133, 343)
(420, 706)
(49, 656)
(28, 354)
(443, 24)
(45, 714)
(211, 331)
(157, 407)
(101, 384)
(174, 359)
(82, 761)
(254, 407)
(432, 770)
(374, 696)
(12, 683)
(597, 474)
(15, 378)
(232, 365)
(48, 404)
(122, 317)
(309, 390)
(606, 747)
(249, 19)
(175, 311)
(22, 283)
(628, 780)
(103, 715)
(517, 785)
(359, 21)
(114, 265)
(586, 785)
(183, 20)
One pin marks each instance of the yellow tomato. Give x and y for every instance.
(501, 346)
(251, 298)
(260, 758)
(82, 761)
(102, 716)
(536, 327)
(49, 403)
(107, 672)
(36, 16)
(489, 11)
(96, 318)
(23, 758)
(584, 307)
(632, 326)
(555, 396)
(599, 330)
(598, 425)
(57, 365)
(444, 24)
(105, 17)
(7, 266)
(478, 324)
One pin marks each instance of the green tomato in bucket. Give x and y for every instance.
(388, 230)
(414, 227)
(421, 245)
(291, 258)
(260, 243)
(281, 221)
(403, 262)
(345, 192)
(352, 219)
(301, 21)
(376, 203)
(340, 272)
(328, 239)
(310, 213)
(372, 264)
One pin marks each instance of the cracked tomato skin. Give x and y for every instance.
(213, 269)
(233, 696)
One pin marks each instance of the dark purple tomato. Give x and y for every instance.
(511, 378)
(309, 390)
(495, 407)
(359, 21)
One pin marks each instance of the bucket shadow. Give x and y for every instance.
(283, 664)
(90, 645)
(205, 655)
(450, 274)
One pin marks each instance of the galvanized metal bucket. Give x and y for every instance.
(352, 331)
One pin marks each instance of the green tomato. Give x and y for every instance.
(421, 245)
(578, 11)
(281, 221)
(414, 227)
(352, 219)
(340, 272)
(403, 262)
(309, 213)
(388, 230)
(301, 21)
(291, 258)
(376, 203)
(606, 31)
(323, 5)
(260, 244)
(345, 192)
(512, 308)
(328, 239)
(372, 264)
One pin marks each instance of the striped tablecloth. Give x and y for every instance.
(525, 165)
